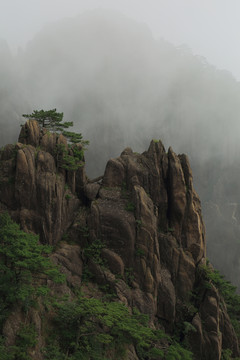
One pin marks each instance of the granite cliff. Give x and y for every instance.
(135, 232)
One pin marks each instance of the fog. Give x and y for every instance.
(109, 74)
(209, 28)
(122, 86)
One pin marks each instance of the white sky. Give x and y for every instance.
(211, 28)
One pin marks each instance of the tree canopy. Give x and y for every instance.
(53, 120)
(71, 157)
(50, 119)
(23, 262)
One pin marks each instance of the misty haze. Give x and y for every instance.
(122, 88)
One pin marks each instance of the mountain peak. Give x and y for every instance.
(137, 230)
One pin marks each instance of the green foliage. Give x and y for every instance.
(65, 237)
(84, 231)
(68, 197)
(177, 352)
(66, 158)
(185, 312)
(49, 119)
(94, 329)
(25, 340)
(53, 121)
(226, 289)
(130, 207)
(110, 294)
(38, 148)
(226, 354)
(83, 328)
(138, 223)
(87, 275)
(93, 251)
(89, 328)
(53, 352)
(75, 138)
(188, 327)
(70, 162)
(23, 263)
(129, 277)
(140, 252)
(6, 352)
(191, 310)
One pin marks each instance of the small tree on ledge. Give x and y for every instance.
(53, 121)
(69, 159)
(49, 119)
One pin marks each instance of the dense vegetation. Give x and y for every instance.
(95, 329)
(227, 291)
(24, 270)
(24, 267)
(208, 277)
(84, 328)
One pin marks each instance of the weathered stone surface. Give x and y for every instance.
(37, 195)
(131, 353)
(166, 305)
(114, 261)
(161, 240)
(196, 338)
(12, 326)
(112, 223)
(229, 338)
(179, 263)
(91, 191)
(68, 257)
(48, 142)
(177, 193)
(30, 133)
(146, 219)
(148, 268)
(114, 173)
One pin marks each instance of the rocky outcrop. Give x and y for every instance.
(137, 230)
(38, 193)
(148, 216)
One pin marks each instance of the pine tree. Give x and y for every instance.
(71, 157)
(49, 119)
(23, 263)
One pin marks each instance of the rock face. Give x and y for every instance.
(147, 217)
(38, 194)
